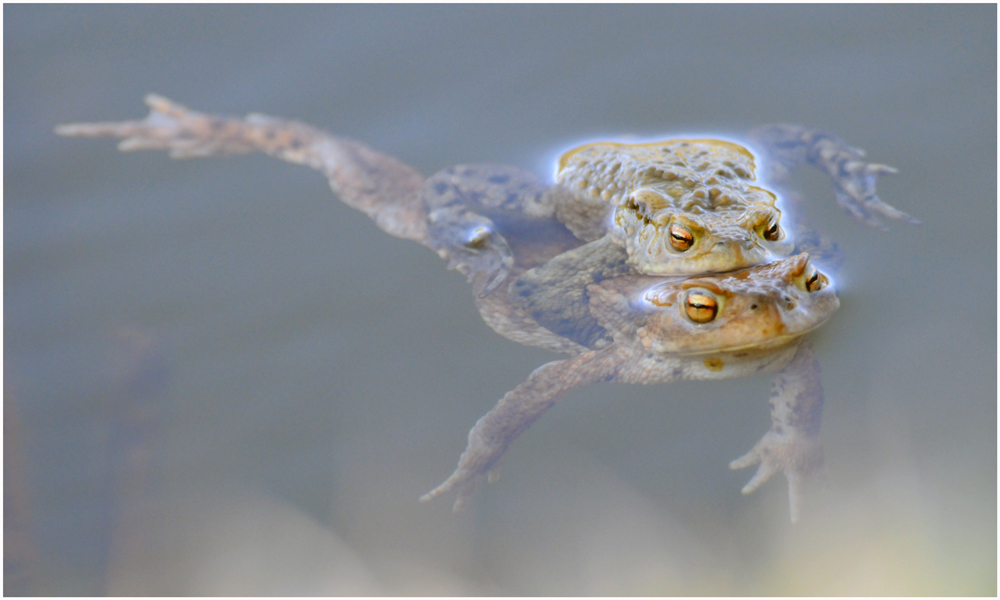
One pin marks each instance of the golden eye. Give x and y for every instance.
(701, 307)
(680, 237)
(814, 280)
(772, 233)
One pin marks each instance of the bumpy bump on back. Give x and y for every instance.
(704, 185)
(611, 170)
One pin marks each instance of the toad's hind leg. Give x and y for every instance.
(378, 185)
(793, 443)
(789, 146)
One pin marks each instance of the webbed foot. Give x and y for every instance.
(169, 126)
(796, 455)
(854, 178)
(855, 181)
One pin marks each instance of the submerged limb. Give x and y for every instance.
(555, 293)
(376, 184)
(790, 146)
(793, 444)
(821, 248)
(515, 412)
(472, 246)
(460, 203)
(476, 214)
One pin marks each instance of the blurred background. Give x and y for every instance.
(221, 380)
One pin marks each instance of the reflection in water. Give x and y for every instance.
(235, 544)
(20, 554)
(138, 403)
(232, 544)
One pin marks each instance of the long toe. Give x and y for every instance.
(764, 472)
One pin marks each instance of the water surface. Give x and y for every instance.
(221, 380)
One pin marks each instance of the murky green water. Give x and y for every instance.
(221, 380)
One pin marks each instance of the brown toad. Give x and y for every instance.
(546, 274)
(662, 329)
(679, 206)
(620, 326)
(689, 206)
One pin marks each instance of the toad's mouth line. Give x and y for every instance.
(767, 346)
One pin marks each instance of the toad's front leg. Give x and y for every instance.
(793, 443)
(378, 185)
(516, 411)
